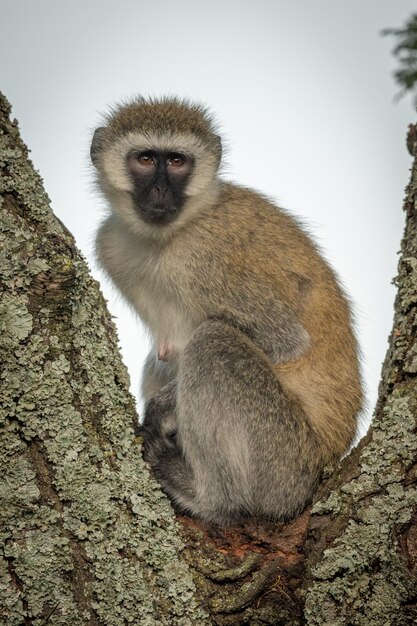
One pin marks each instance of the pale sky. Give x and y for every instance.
(303, 92)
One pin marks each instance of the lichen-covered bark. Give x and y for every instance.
(86, 536)
(362, 543)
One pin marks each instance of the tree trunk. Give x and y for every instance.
(87, 538)
(86, 535)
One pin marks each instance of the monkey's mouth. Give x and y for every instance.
(157, 213)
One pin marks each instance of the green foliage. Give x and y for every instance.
(406, 53)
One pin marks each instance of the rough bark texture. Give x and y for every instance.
(86, 535)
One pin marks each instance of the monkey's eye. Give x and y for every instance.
(176, 160)
(145, 159)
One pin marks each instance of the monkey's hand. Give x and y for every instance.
(159, 426)
(162, 451)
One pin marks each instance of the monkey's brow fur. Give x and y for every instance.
(262, 385)
(166, 116)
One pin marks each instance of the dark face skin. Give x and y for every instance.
(159, 179)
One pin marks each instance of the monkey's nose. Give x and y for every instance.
(157, 194)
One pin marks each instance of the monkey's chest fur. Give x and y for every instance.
(153, 280)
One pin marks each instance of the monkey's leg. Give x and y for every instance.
(248, 447)
(156, 374)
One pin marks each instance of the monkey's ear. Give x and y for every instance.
(96, 144)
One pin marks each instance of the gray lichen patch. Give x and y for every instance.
(86, 535)
(15, 320)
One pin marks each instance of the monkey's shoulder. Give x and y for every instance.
(245, 220)
(253, 209)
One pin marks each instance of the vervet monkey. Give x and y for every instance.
(253, 383)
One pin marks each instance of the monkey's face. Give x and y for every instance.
(159, 182)
(157, 163)
(156, 183)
